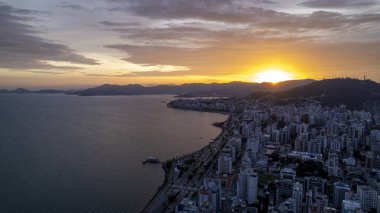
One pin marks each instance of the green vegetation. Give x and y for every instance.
(265, 179)
(311, 168)
(168, 164)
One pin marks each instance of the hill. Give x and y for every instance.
(25, 91)
(19, 90)
(233, 89)
(351, 92)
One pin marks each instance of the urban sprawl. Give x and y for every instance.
(295, 157)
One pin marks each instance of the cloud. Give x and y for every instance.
(22, 48)
(338, 3)
(46, 72)
(71, 6)
(229, 36)
(209, 37)
(230, 11)
(315, 26)
(146, 74)
(235, 52)
(119, 24)
(266, 2)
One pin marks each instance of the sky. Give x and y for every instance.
(82, 43)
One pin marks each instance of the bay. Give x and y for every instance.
(62, 153)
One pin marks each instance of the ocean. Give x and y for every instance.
(61, 153)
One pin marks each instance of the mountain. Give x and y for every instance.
(19, 90)
(351, 92)
(233, 89)
(50, 91)
(22, 90)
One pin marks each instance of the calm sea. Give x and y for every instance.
(63, 153)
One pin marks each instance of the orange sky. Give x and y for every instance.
(55, 44)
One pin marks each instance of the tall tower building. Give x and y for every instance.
(247, 185)
(367, 197)
(252, 181)
(339, 193)
(298, 197)
(333, 164)
(225, 164)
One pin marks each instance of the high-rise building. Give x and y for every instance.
(308, 201)
(321, 202)
(285, 185)
(333, 164)
(339, 193)
(367, 197)
(288, 174)
(349, 206)
(356, 130)
(247, 185)
(315, 184)
(285, 135)
(186, 206)
(302, 128)
(209, 196)
(246, 161)
(275, 136)
(301, 142)
(283, 190)
(235, 142)
(224, 164)
(336, 145)
(252, 148)
(370, 159)
(252, 181)
(315, 146)
(297, 195)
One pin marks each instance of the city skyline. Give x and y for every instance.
(70, 44)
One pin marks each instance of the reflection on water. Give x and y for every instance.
(63, 153)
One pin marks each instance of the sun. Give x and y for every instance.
(272, 76)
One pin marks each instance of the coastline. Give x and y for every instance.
(160, 188)
(170, 105)
(168, 171)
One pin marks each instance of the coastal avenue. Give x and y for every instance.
(180, 187)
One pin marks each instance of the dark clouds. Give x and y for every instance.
(22, 48)
(339, 3)
(67, 5)
(246, 12)
(146, 74)
(214, 10)
(119, 24)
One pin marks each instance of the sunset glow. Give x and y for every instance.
(272, 76)
(75, 44)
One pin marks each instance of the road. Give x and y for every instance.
(182, 186)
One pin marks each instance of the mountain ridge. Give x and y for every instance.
(348, 91)
(231, 89)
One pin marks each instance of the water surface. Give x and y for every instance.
(63, 153)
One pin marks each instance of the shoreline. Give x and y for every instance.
(164, 187)
(169, 105)
(160, 188)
